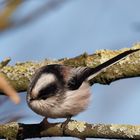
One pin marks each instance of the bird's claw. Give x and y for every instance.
(64, 124)
(44, 123)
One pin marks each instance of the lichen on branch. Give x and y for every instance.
(72, 129)
(20, 74)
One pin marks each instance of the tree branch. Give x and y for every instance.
(12, 5)
(5, 14)
(72, 129)
(20, 74)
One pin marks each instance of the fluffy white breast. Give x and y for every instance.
(68, 104)
(78, 100)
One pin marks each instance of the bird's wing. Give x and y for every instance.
(78, 75)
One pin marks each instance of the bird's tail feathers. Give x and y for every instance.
(97, 70)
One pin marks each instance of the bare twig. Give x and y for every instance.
(4, 62)
(6, 13)
(45, 9)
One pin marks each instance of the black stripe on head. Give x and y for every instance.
(47, 91)
(54, 69)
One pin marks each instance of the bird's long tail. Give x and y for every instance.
(95, 71)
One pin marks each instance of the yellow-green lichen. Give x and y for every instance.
(9, 130)
(127, 130)
(80, 126)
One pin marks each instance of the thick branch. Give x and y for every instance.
(20, 74)
(72, 129)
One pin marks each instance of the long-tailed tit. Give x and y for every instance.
(58, 91)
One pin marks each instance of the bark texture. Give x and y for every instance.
(72, 129)
(20, 74)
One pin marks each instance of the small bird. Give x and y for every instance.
(59, 91)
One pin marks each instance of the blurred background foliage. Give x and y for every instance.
(39, 29)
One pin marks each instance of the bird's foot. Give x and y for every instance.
(44, 123)
(64, 124)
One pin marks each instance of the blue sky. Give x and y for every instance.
(75, 27)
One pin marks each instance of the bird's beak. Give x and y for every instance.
(32, 99)
(32, 96)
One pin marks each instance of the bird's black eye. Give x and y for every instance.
(47, 91)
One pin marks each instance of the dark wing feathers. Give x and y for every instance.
(78, 76)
